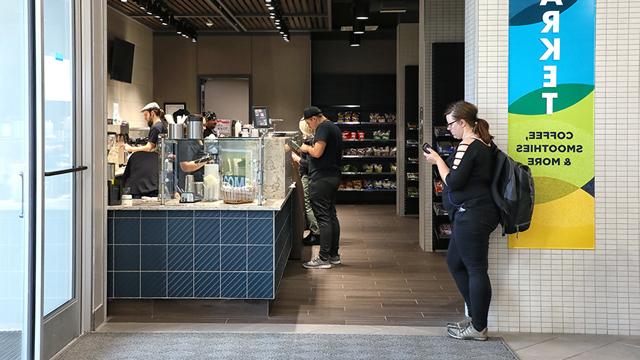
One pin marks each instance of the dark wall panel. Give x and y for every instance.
(447, 77)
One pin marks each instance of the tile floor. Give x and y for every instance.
(385, 279)
(386, 285)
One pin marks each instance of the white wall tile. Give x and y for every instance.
(565, 291)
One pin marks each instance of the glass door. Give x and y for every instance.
(16, 241)
(62, 178)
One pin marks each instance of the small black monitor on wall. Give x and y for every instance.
(121, 60)
(260, 116)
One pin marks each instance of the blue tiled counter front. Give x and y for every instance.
(197, 254)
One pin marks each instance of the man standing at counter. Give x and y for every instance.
(324, 174)
(154, 117)
(211, 120)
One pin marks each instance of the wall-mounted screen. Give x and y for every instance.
(121, 64)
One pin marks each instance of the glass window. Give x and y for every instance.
(59, 135)
(14, 149)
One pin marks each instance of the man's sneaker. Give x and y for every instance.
(468, 333)
(317, 263)
(335, 260)
(460, 324)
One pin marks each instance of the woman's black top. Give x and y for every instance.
(470, 175)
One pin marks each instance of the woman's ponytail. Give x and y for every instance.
(481, 128)
(462, 110)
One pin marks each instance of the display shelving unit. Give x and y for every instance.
(354, 165)
(447, 73)
(362, 95)
(412, 150)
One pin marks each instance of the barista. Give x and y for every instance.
(210, 124)
(154, 117)
(192, 158)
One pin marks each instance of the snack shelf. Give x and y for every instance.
(369, 141)
(368, 157)
(364, 123)
(361, 173)
(366, 190)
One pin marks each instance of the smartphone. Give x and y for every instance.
(426, 148)
(294, 146)
(203, 159)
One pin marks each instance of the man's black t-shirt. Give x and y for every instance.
(155, 131)
(328, 165)
(189, 150)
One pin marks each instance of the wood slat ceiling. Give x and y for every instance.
(252, 15)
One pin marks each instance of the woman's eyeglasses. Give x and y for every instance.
(451, 124)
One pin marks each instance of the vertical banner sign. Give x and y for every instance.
(551, 117)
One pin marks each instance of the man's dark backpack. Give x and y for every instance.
(513, 192)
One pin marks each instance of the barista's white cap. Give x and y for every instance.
(150, 106)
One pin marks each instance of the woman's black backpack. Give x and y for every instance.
(513, 192)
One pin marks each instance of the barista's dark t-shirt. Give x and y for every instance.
(189, 150)
(328, 165)
(155, 131)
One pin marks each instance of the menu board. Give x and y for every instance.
(261, 117)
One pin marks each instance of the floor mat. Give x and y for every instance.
(10, 342)
(173, 345)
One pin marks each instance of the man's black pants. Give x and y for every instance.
(323, 193)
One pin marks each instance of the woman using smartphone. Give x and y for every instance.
(467, 197)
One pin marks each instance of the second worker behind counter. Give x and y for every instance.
(154, 116)
(192, 159)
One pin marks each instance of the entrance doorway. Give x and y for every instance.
(40, 202)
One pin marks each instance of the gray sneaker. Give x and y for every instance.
(460, 324)
(317, 263)
(335, 260)
(468, 333)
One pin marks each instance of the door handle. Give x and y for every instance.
(65, 171)
(21, 214)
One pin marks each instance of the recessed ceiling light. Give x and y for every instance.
(270, 7)
(123, 0)
(209, 24)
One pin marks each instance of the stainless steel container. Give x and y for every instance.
(189, 184)
(194, 127)
(176, 131)
(111, 171)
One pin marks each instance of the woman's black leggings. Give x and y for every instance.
(468, 259)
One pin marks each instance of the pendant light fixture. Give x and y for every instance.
(355, 40)
(361, 9)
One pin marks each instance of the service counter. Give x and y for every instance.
(164, 249)
(204, 250)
